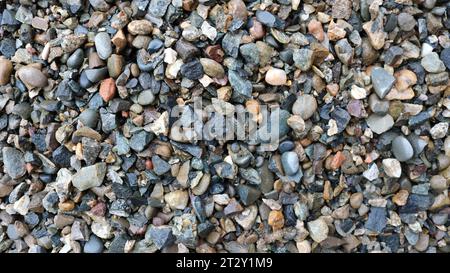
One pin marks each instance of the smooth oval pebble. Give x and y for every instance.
(103, 45)
(275, 76)
(32, 77)
(402, 149)
(76, 59)
(290, 163)
(94, 245)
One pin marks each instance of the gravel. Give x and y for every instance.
(228, 126)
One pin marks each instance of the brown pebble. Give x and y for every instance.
(6, 68)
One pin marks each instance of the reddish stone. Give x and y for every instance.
(99, 209)
(107, 89)
(215, 52)
(149, 164)
(337, 161)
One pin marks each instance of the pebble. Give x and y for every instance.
(103, 45)
(400, 198)
(432, 63)
(375, 32)
(192, 70)
(275, 76)
(438, 183)
(177, 199)
(371, 173)
(445, 57)
(146, 97)
(290, 163)
(356, 200)
(303, 58)
(76, 59)
(379, 107)
(380, 124)
(406, 21)
(88, 177)
(6, 69)
(140, 27)
(115, 65)
(93, 161)
(318, 230)
(266, 18)
(382, 81)
(402, 149)
(377, 220)
(358, 93)
(276, 219)
(13, 161)
(94, 245)
(89, 117)
(212, 68)
(107, 89)
(305, 106)
(32, 77)
(344, 51)
(439, 130)
(161, 236)
(392, 167)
